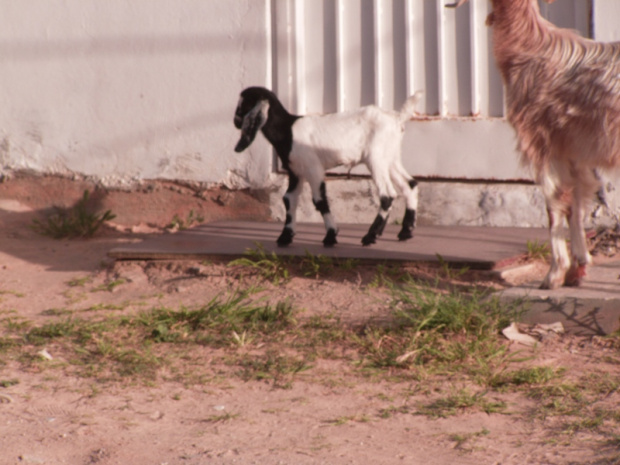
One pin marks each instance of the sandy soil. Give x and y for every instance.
(328, 415)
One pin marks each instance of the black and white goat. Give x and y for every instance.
(563, 99)
(309, 145)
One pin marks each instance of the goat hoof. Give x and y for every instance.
(574, 276)
(405, 234)
(550, 284)
(286, 237)
(369, 239)
(330, 238)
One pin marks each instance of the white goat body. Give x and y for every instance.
(347, 139)
(563, 99)
(309, 145)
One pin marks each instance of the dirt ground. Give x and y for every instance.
(327, 415)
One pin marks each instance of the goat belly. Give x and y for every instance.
(328, 140)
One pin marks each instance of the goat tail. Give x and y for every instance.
(408, 109)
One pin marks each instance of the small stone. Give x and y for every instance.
(44, 354)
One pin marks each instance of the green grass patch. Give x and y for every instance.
(178, 223)
(461, 439)
(79, 282)
(77, 221)
(138, 346)
(279, 269)
(269, 266)
(215, 322)
(530, 376)
(537, 250)
(429, 336)
(273, 366)
(13, 293)
(459, 402)
(445, 331)
(109, 287)
(5, 383)
(426, 332)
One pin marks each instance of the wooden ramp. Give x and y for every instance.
(472, 246)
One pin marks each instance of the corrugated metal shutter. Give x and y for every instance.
(334, 55)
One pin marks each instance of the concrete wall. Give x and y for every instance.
(131, 89)
(606, 20)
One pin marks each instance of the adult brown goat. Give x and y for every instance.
(563, 99)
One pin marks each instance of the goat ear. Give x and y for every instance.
(252, 122)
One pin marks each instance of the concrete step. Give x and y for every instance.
(593, 308)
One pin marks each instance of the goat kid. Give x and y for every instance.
(309, 145)
(563, 99)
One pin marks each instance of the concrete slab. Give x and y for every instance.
(593, 308)
(476, 247)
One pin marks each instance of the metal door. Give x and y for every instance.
(334, 55)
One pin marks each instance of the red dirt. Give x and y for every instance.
(329, 415)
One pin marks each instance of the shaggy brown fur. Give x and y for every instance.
(563, 99)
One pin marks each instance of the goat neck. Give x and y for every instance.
(278, 128)
(517, 27)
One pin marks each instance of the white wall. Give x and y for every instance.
(131, 89)
(142, 89)
(606, 20)
(341, 54)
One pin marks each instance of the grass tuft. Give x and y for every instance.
(460, 401)
(537, 250)
(278, 269)
(273, 366)
(446, 331)
(530, 376)
(269, 266)
(76, 222)
(179, 224)
(217, 321)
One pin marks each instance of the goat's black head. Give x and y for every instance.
(251, 114)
